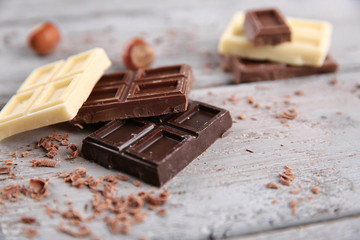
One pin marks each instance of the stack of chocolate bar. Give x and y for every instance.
(155, 130)
(262, 45)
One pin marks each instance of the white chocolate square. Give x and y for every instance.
(53, 93)
(310, 42)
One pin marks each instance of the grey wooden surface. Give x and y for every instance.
(222, 193)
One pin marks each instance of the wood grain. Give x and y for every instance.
(222, 193)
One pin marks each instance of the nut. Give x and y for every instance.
(44, 38)
(138, 54)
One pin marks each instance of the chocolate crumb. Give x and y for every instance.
(161, 212)
(299, 93)
(316, 190)
(287, 102)
(25, 154)
(295, 191)
(248, 150)
(272, 185)
(333, 81)
(143, 238)
(30, 232)
(241, 117)
(136, 183)
(254, 118)
(285, 182)
(250, 100)
(14, 154)
(28, 220)
(293, 206)
(275, 201)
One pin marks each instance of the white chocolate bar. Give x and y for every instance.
(53, 93)
(310, 42)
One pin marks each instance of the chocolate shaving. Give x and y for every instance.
(111, 179)
(5, 169)
(72, 214)
(75, 151)
(28, 220)
(39, 188)
(161, 200)
(9, 161)
(272, 185)
(291, 114)
(30, 232)
(123, 177)
(43, 163)
(117, 226)
(81, 231)
(11, 192)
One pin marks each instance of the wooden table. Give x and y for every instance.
(222, 193)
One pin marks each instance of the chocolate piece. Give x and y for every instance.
(156, 149)
(142, 93)
(266, 27)
(253, 71)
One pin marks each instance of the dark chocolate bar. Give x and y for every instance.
(252, 71)
(156, 149)
(266, 27)
(142, 93)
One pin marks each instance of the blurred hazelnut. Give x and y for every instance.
(138, 54)
(44, 38)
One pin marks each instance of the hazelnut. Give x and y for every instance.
(44, 38)
(138, 54)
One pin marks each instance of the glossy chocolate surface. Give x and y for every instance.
(252, 71)
(156, 149)
(142, 93)
(266, 27)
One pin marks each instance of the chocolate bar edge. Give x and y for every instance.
(279, 71)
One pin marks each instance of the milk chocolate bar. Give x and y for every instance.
(266, 27)
(142, 93)
(252, 71)
(53, 93)
(156, 149)
(310, 42)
